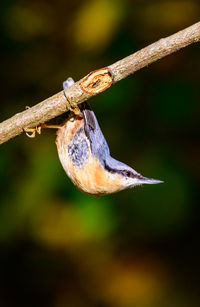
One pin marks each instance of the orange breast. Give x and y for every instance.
(90, 177)
(94, 179)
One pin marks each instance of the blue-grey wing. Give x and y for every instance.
(99, 146)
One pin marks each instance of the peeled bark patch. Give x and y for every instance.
(97, 81)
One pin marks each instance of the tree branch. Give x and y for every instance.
(56, 105)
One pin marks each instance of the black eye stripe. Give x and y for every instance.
(124, 173)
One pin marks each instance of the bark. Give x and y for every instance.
(56, 105)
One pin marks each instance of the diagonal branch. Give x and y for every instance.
(56, 105)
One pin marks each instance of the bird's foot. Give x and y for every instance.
(71, 105)
(31, 132)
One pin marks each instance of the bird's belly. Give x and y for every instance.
(94, 179)
(89, 176)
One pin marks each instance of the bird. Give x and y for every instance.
(85, 155)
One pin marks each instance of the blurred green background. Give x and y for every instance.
(137, 248)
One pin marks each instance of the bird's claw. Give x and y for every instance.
(71, 106)
(31, 132)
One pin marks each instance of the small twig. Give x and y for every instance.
(56, 105)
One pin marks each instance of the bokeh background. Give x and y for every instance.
(137, 248)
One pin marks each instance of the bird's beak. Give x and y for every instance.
(146, 180)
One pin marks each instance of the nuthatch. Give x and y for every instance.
(85, 156)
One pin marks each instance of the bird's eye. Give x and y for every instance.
(127, 173)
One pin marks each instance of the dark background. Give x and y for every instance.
(137, 248)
